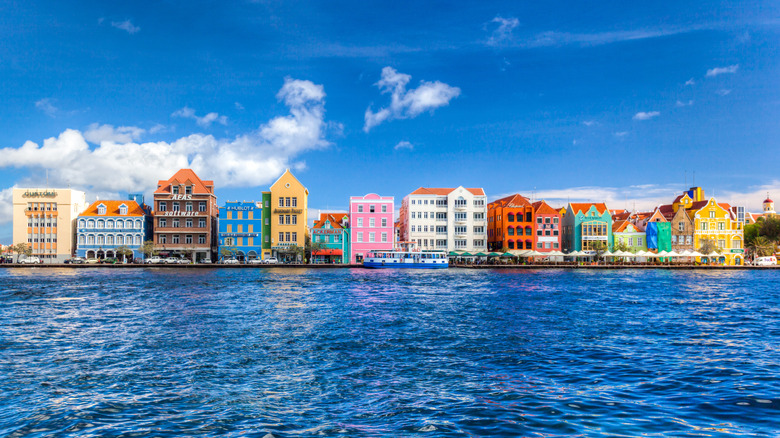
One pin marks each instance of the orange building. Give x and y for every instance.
(511, 224)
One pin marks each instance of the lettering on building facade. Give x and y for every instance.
(40, 194)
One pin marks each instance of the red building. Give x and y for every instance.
(511, 224)
(547, 227)
(185, 216)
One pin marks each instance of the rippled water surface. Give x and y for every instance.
(161, 352)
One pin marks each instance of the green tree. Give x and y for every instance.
(707, 245)
(770, 228)
(621, 246)
(751, 231)
(148, 249)
(227, 251)
(124, 251)
(311, 247)
(22, 249)
(599, 248)
(762, 246)
(299, 251)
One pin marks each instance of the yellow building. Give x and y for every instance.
(289, 218)
(45, 219)
(717, 222)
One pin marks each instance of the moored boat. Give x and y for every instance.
(406, 259)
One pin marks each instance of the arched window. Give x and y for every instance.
(529, 244)
(90, 240)
(120, 240)
(101, 240)
(82, 223)
(101, 223)
(137, 224)
(519, 231)
(109, 240)
(510, 231)
(110, 223)
(82, 240)
(90, 224)
(137, 240)
(511, 244)
(528, 231)
(510, 217)
(120, 224)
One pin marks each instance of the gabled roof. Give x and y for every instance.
(577, 207)
(199, 186)
(512, 201)
(334, 219)
(287, 172)
(444, 192)
(621, 216)
(541, 207)
(112, 209)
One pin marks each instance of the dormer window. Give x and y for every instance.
(188, 190)
(175, 190)
(123, 209)
(101, 209)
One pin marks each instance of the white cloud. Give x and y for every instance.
(504, 30)
(404, 145)
(723, 92)
(126, 25)
(159, 128)
(6, 205)
(589, 123)
(408, 103)
(690, 82)
(47, 107)
(620, 134)
(205, 121)
(722, 70)
(680, 103)
(239, 106)
(646, 115)
(97, 133)
(247, 160)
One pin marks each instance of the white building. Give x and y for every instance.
(445, 219)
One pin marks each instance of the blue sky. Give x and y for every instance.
(600, 101)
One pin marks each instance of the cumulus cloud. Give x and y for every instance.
(405, 103)
(682, 104)
(589, 123)
(47, 106)
(247, 160)
(126, 26)
(723, 92)
(205, 121)
(404, 145)
(722, 70)
(97, 133)
(504, 30)
(6, 205)
(620, 134)
(239, 106)
(646, 115)
(690, 82)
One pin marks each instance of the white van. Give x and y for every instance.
(765, 261)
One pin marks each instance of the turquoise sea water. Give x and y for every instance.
(153, 352)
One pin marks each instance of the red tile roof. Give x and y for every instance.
(443, 192)
(112, 208)
(541, 207)
(334, 219)
(515, 200)
(199, 187)
(576, 207)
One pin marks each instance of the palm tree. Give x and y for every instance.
(762, 246)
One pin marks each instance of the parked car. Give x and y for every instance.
(92, 261)
(765, 261)
(31, 260)
(75, 261)
(185, 261)
(171, 261)
(271, 261)
(205, 261)
(153, 260)
(109, 261)
(230, 262)
(255, 261)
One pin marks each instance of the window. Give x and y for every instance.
(175, 223)
(688, 240)
(175, 238)
(267, 221)
(479, 243)
(202, 238)
(287, 236)
(479, 230)
(479, 216)
(479, 202)
(294, 202)
(721, 226)
(201, 223)
(371, 222)
(281, 236)
(510, 217)
(384, 208)
(295, 219)
(460, 202)
(712, 214)
(371, 237)
(425, 228)
(721, 243)
(162, 222)
(188, 190)
(287, 201)
(360, 222)
(441, 202)
(441, 229)
(371, 209)
(460, 243)
(547, 220)
(202, 206)
(188, 206)
(441, 216)
(163, 239)
(123, 209)
(175, 190)
(674, 240)
(281, 202)
(176, 206)
(412, 201)
(414, 215)
(162, 206)
(188, 239)
(384, 221)
(294, 236)
(281, 219)
(359, 237)
(639, 241)
(188, 222)
(510, 231)
(460, 230)
(704, 226)
(384, 237)
(360, 207)
(460, 216)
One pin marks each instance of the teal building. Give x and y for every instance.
(331, 235)
(585, 224)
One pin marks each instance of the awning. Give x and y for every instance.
(328, 252)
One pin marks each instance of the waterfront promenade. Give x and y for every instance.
(337, 266)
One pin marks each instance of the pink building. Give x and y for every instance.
(371, 223)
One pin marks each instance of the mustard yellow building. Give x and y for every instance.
(289, 218)
(715, 221)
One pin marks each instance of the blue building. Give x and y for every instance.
(241, 230)
(107, 225)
